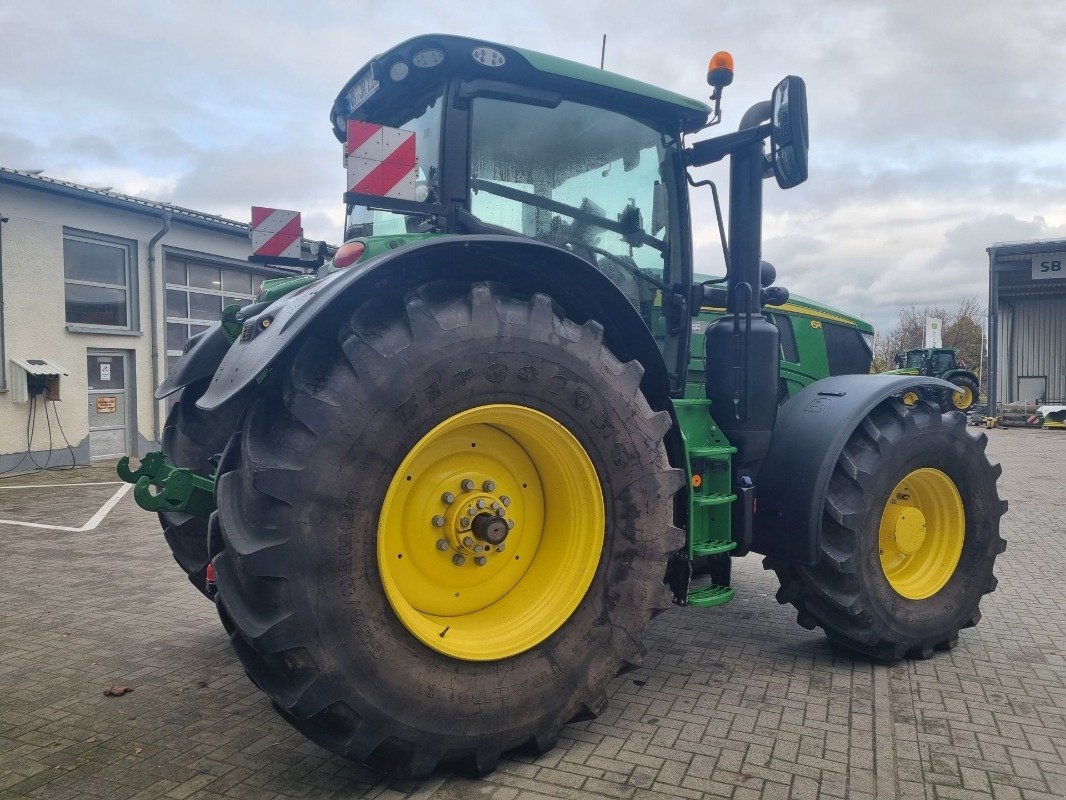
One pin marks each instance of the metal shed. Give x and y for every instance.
(1027, 321)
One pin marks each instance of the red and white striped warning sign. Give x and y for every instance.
(381, 161)
(276, 232)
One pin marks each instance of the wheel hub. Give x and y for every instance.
(490, 528)
(909, 530)
(475, 522)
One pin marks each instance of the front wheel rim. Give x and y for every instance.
(920, 538)
(490, 472)
(964, 399)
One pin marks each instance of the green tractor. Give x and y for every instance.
(462, 468)
(943, 363)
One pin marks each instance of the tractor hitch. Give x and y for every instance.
(177, 489)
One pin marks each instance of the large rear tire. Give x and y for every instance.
(191, 438)
(345, 500)
(910, 534)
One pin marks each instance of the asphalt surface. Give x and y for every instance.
(736, 702)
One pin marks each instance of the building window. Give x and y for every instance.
(196, 294)
(99, 280)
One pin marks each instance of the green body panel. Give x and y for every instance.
(611, 80)
(274, 288)
(377, 245)
(806, 318)
(177, 489)
(230, 324)
(708, 463)
(539, 70)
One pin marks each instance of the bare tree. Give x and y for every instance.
(963, 326)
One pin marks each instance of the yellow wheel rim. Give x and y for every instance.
(910, 398)
(922, 530)
(964, 399)
(490, 471)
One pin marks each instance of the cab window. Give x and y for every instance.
(587, 179)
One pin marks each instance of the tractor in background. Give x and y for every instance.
(447, 483)
(943, 363)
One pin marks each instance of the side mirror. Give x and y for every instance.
(788, 134)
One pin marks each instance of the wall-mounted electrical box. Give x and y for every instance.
(33, 376)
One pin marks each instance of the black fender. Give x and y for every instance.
(811, 431)
(526, 265)
(203, 353)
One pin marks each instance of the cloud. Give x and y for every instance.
(936, 128)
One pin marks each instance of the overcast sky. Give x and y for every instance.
(937, 127)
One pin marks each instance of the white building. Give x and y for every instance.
(100, 290)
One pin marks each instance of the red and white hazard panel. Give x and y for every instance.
(276, 232)
(381, 161)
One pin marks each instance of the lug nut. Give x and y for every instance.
(447, 498)
(496, 505)
(488, 486)
(438, 521)
(510, 524)
(481, 561)
(458, 559)
(500, 512)
(470, 512)
(481, 502)
(500, 546)
(467, 485)
(442, 544)
(468, 542)
(505, 500)
(464, 522)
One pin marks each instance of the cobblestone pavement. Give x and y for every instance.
(738, 702)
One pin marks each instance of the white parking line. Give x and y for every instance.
(93, 522)
(59, 485)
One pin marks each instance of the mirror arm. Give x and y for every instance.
(760, 112)
(711, 150)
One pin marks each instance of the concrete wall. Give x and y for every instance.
(35, 320)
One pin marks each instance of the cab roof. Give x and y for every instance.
(425, 59)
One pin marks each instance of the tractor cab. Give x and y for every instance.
(933, 361)
(518, 143)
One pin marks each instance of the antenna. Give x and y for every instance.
(603, 50)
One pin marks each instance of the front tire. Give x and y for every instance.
(960, 401)
(910, 534)
(335, 496)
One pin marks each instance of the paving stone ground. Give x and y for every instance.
(737, 702)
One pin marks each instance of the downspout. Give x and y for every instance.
(993, 334)
(3, 360)
(152, 311)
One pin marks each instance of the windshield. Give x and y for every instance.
(915, 359)
(425, 122)
(590, 180)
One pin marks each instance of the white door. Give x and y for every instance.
(1032, 389)
(110, 434)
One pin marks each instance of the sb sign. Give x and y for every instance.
(1049, 265)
